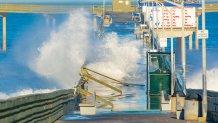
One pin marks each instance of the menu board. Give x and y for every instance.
(162, 16)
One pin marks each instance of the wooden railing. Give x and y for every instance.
(45, 108)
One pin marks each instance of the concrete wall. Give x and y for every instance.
(212, 103)
(43, 108)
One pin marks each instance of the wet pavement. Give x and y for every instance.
(123, 117)
(133, 96)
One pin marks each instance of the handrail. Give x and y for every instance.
(86, 93)
(105, 84)
(87, 76)
(103, 75)
(116, 81)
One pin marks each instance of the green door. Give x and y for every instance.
(158, 82)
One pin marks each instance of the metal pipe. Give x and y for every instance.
(149, 19)
(196, 34)
(162, 21)
(148, 81)
(204, 102)
(171, 53)
(157, 24)
(183, 51)
(118, 81)
(163, 35)
(153, 24)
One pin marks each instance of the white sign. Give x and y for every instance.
(163, 42)
(162, 16)
(202, 34)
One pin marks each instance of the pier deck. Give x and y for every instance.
(122, 118)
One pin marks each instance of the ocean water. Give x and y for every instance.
(26, 33)
(194, 57)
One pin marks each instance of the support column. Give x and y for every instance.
(183, 51)
(172, 52)
(153, 46)
(4, 45)
(190, 42)
(204, 65)
(196, 34)
(163, 34)
(184, 63)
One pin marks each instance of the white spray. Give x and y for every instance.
(61, 57)
(119, 57)
(25, 92)
(194, 78)
(195, 81)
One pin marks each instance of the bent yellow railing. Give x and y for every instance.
(86, 93)
(87, 76)
(118, 81)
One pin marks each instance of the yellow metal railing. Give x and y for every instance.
(118, 81)
(87, 76)
(86, 93)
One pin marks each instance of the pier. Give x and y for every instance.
(99, 98)
(60, 9)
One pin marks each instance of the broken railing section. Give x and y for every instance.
(86, 76)
(86, 93)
